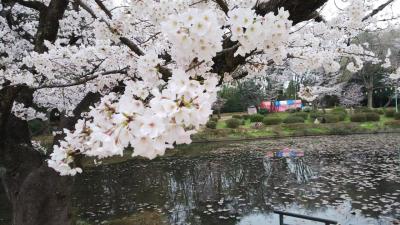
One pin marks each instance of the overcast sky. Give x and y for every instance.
(330, 10)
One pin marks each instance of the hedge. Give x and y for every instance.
(365, 117)
(332, 118)
(246, 117)
(379, 111)
(363, 110)
(358, 117)
(302, 114)
(293, 110)
(372, 116)
(214, 119)
(233, 123)
(393, 123)
(272, 120)
(396, 116)
(211, 124)
(263, 111)
(340, 114)
(256, 118)
(316, 115)
(389, 112)
(293, 119)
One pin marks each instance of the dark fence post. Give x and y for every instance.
(280, 219)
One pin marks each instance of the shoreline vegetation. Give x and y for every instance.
(243, 127)
(337, 121)
(272, 126)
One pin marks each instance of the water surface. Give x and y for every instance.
(354, 180)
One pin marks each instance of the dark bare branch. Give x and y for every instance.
(223, 5)
(299, 10)
(49, 23)
(132, 46)
(39, 6)
(86, 8)
(83, 80)
(377, 10)
(104, 8)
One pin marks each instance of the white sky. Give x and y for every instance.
(330, 10)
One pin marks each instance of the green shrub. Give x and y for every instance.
(340, 129)
(293, 119)
(363, 110)
(291, 110)
(307, 109)
(211, 124)
(372, 116)
(332, 118)
(396, 116)
(237, 116)
(304, 115)
(341, 115)
(246, 117)
(263, 111)
(272, 120)
(393, 123)
(358, 117)
(339, 110)
(233, 123)
(316, 115)
(256, 118)
(379, 111)
(389, 112)
(364, 117)
(215, 119)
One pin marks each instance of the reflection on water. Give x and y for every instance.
(358, 187)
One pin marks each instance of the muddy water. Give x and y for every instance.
(353, 180)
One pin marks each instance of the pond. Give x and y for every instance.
(351, 179)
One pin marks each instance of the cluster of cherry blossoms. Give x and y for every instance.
(27, 113)
(118, 122)
(267, 33)
(194, 34)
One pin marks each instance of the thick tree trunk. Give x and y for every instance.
(370, 90)
(370, 98)
(38, 195)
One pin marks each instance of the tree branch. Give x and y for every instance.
(39, 6)
(223, 5)
(104, 8)
(132, 46)
(86, 8)
(84, 80)
(49, 23)
(377, 10)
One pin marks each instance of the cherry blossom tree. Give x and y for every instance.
(140, 74)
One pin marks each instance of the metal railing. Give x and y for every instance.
(316, 219)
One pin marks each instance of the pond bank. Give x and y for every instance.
(250, 132)
(216, 140)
